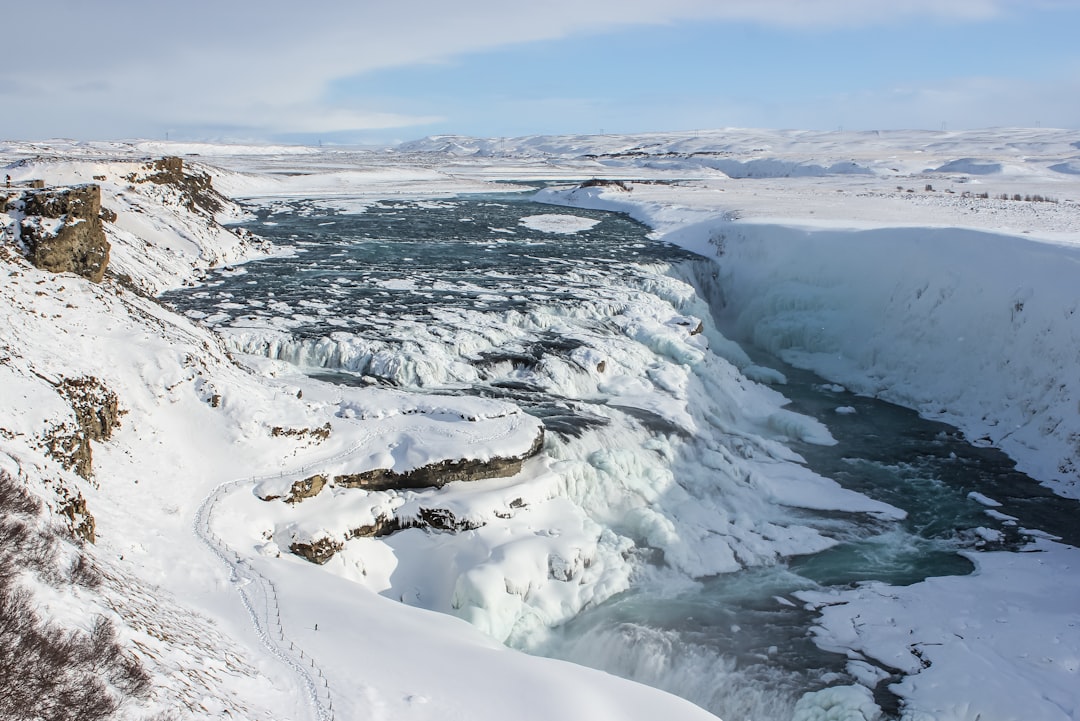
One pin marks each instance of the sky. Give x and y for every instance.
(378, 72)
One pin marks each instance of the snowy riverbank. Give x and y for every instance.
(975, 328)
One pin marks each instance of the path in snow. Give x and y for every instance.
(259, 594)
(256, 591)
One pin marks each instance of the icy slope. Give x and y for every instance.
(973, 327)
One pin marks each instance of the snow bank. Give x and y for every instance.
(558, 223)
(975, 328)
(1011, 656)
(970, 166)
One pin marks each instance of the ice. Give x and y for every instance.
(837, 703)
(560, 224)
(983, 499)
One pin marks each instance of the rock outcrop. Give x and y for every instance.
(306, 488)
(75, 242)
(97, 408)
(322, 549)
(196, 191)
(318, 551)
(79, 519)
(97, 412)
(437, 475)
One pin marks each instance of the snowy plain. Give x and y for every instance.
(958, 306)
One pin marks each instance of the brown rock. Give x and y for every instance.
(306, 488)
(437, 475)
(80, 521)
(78, 244)
(319, 551)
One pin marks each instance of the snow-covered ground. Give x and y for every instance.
(193, 421)
(960, 306)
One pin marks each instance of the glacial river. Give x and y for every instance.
(424, 294)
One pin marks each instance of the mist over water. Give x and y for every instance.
(460, 296)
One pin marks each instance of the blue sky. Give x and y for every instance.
(355, 73)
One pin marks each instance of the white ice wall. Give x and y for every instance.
(978, 329)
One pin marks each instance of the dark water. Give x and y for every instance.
(398, 264)
(406, 276)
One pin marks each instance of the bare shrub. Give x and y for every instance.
(48, 672)
(15, 498)
(83, 572)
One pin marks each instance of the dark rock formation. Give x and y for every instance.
(80, 521)
(77, 244)
(383, 526)
(319, 551)
(69, 446)
(437, 475)
(306, 488)
(439, 519)
(319, 434)
(96, 412)
(434, 475)
(195, 189)
(442, 520)
(97, 408)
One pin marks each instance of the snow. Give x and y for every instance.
(959, 306)
(1000, 644)
(558, 224)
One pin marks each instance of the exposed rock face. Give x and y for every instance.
(96, 414)
(80, 521)
(318, 434)
(434, 475)
(437, 475)
(440, 519)
(319, 551)
(195, 188)
(76, 244)
(306, 488)
(69, 445)
(383, 526)
(97, 408)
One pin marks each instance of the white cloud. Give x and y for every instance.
(124, 67)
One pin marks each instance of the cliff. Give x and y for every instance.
(63, 231)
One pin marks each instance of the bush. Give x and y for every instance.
(48, 672)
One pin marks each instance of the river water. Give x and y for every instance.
(492, 295)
